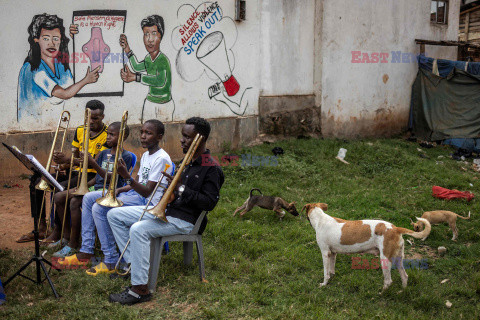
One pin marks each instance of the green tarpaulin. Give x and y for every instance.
(445, 108)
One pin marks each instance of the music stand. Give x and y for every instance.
(38, 171)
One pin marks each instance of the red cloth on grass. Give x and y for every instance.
(442, 193)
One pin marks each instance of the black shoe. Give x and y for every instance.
(129, 297)
(115, 276)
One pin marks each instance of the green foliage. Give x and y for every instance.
(260, 267)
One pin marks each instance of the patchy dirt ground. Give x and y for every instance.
(15, 218)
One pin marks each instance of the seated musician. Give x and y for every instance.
(135, 193)
(198, 190)
(98, 136)
(75, 223)
(96, 144)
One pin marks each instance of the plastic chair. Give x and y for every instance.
(134, 161)
(156, 248)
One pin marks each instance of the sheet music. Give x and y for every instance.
(45, 173)
(33, 165)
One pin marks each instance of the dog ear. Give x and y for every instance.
(411, 222)
(324, 206)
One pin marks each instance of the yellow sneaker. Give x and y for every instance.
(99, 268)
(72, 261)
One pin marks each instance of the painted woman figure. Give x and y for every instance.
(45, 79)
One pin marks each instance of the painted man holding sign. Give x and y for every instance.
(154, 71)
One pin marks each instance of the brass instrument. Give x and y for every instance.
(66, 197)
(64, 117)
(82, 189)
(43, 185)
(117, 270)
(159, 210)
(110, 198)
(106, 173)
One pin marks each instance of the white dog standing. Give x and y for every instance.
(378, 237)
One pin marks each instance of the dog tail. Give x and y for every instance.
(419, 235)
(462, 217)
(251, 191)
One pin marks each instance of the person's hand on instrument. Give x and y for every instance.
(60, 157)
(122, 169)
(169, 179)
(91, 160)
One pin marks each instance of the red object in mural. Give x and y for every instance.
(442, 193)
(231, 86)
(96, 49)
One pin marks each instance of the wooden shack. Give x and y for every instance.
(469, 31)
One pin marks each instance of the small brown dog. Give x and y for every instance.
(439, 216)
(276, 204)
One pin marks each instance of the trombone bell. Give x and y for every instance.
(43, 186)
(109, 201)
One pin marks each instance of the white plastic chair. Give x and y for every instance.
(157, 245)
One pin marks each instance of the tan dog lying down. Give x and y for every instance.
(441, 216)
(379, 237)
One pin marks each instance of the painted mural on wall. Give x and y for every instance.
(44, 81)
(96, 47)
(204, 40)
(102, 62)
(153, 71)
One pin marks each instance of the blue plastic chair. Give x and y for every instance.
(134, 161)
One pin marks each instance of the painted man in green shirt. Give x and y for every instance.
(154, 71)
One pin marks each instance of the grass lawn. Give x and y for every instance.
(259, 267)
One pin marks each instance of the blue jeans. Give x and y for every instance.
(95, 215)
(124, 223)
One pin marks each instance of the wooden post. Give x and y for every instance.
(467, 26)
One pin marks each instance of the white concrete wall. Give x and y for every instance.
(361, 99)
(189, 93)
(283, 48)
(287, 47)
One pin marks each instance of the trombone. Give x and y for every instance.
(43, 185)
(64, 117)
(82, 188)
(110, 198)
(66, 197)
(159, 209)
(117, 270)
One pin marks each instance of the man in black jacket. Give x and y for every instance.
(198, 190)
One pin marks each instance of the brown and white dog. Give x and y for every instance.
(440, 216)
(276, 204)
(379, 237)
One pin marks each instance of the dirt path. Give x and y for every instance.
(15, 218)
